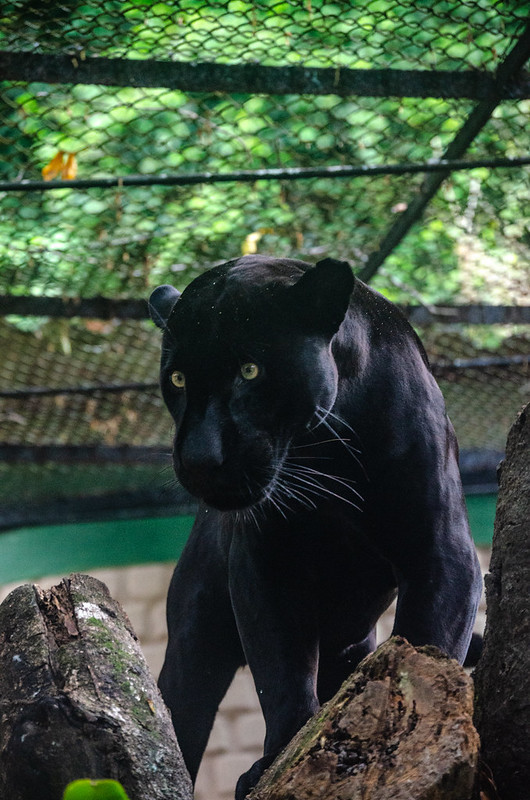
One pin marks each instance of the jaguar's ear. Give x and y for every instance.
(322, 295)
(161, 304)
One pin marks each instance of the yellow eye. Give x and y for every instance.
(249, 371)
(178, 379)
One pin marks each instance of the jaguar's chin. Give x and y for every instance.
(223, 496)
(232, 501)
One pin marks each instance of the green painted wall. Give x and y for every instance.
(28, 553)
(481, 510)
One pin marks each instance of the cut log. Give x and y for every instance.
(502, 677)
(400, 727)
(77, 698)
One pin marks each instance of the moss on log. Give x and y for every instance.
(78, 700)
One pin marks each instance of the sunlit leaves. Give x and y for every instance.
(69, 170)
(118, 241)
(53, 169)
(62, 165)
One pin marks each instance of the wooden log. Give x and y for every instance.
(77, 699)
(400, 727)
(502, 677)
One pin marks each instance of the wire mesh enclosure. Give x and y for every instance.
(144, 142)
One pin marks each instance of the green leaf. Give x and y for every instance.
(95, 790)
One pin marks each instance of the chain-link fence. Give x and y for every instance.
(141, 143)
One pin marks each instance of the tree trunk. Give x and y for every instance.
(502, 678)
(77, 698)
(400, 727)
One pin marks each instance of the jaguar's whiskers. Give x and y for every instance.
(298, 484)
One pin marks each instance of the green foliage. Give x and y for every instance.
(123, 241)
(95, 790)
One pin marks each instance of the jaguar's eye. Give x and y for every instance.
(178, 379)
(249, 371)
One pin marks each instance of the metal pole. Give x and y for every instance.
(513, 62)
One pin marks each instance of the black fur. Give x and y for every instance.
(328, 482)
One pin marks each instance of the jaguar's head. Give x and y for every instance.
(246, 367)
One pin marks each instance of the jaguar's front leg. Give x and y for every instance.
(278, 629)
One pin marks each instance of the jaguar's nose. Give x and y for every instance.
(198, 468)
(199, 445)
(202, 457)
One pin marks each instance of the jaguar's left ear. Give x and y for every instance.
(161, 304)
(321, 296)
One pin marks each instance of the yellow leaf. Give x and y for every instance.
(54, 168)
(151, 706)
(69, 171)
(250, 243)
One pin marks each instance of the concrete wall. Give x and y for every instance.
(237, 737)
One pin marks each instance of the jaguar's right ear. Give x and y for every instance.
(320, 298)
(161, 304)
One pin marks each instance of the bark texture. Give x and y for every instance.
(77, 699)
(400, 728)
(502, 678)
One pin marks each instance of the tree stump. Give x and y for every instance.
(502, 678)
(77, 698)
(400, 727)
